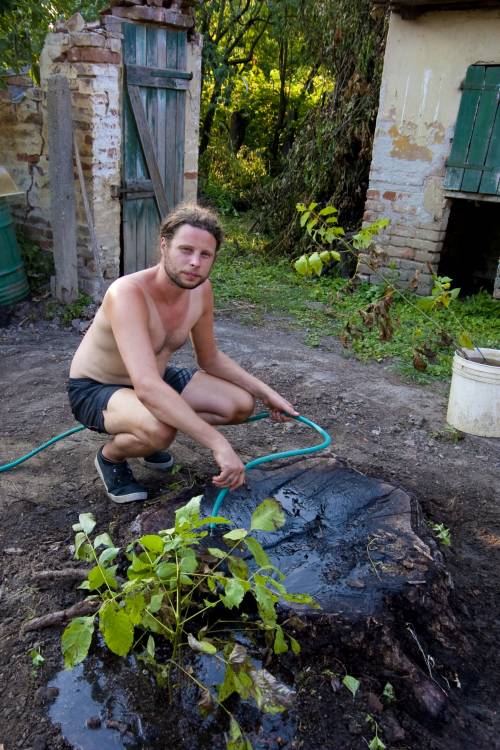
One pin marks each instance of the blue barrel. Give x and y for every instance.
(13, 282)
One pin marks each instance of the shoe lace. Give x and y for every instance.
(122, 473)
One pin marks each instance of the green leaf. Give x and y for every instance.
(311, 224)
(295, 645)
(280, 645)
(76, 640)
(103, 540)
(312, 206)
(108, 554)
(83, 550)
(235, 535)
(234, 591)
(335, 255)
(465, 340)
(87, 522)
(166, 570)
(388, 692)
(188, 514)
(155, 603)
(426, 303)
(316, 263)
(268, 516)
(302, 266)
(98, 577)
(117, 629)
(302, 599)
(351, 683)
(204, 647)
(216, 552)
(265, 601)
(376, 744)
(228, 687)
(188, 562)
(238, 567)
(152, 542)
(135, 604)
(150, 647)
(304, 218)
(327, 210)
(256, 549)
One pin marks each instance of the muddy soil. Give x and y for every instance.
(381, 426)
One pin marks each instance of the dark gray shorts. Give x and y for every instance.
(88, 398)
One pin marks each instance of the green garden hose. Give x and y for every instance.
(13, 464)
(274, 456)
(220, 497)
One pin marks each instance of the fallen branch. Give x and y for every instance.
(76, 574)
(61, 617)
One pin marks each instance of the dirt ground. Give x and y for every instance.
(380, 425)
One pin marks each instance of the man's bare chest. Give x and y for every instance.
(170, 327)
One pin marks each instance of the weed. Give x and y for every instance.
(388, 693)
(38, 263)
(37, 660)
(442, 533)
(375, 743)
(67, 312)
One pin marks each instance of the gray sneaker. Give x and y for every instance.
(161, 461)
(119, 481)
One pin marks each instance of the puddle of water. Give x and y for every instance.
(122, 692)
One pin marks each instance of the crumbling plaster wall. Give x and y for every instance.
(425, 63)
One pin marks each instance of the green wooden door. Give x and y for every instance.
(474, 163)
(155, 83)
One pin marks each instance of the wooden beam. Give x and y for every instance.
(148, 149)
(62, 188)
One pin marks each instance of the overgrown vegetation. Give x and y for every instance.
(24, 25)
(167, 588)
(323, 306)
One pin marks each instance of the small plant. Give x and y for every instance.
(388, 693)
(75, 309)
(37, 660)
(351, 683)
(375, 743)
(164, 587)
(442, 533)
(38, 264)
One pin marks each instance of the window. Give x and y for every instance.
(474, 163)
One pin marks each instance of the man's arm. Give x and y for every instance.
(127, 312)
(216, 363)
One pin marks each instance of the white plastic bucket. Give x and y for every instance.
(474, 402)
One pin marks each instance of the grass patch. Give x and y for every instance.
(246, 275)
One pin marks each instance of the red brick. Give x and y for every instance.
(30, 158)
(92, 55)
(373, 194)
(389, 195)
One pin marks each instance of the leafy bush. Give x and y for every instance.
(162, 588)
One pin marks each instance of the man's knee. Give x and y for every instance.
(243, 407)
(158, 435)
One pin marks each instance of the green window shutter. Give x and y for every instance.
(474, 163)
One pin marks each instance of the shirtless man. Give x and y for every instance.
(120, 379)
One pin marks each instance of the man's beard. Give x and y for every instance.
(177, 280)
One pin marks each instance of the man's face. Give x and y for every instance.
(188, 257)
